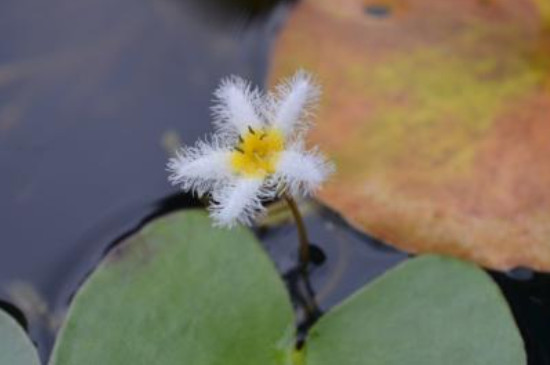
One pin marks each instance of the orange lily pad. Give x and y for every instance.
(437, 114)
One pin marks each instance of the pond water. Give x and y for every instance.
(94, 94)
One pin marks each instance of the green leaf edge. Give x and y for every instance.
(8, 323)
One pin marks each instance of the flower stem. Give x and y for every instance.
(309, 304)
(303, 252)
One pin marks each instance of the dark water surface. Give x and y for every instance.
(94, 94)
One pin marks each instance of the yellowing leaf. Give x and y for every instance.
(438, 117)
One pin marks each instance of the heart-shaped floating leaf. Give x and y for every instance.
(15, 346)
(182, 292)
(429, 311)
(436, 113)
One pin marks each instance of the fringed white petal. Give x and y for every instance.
(302, 172)
(291, 107)
(206, 167)
(201, 168)
(237, 107)
(239, 201)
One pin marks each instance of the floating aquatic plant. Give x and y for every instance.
(132, 310)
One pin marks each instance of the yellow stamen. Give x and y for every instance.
(258, 152)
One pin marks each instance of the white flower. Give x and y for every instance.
(257, 152)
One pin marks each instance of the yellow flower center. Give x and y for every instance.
(257, 153)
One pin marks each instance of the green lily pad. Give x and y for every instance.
(182, 292)
(15, 346)
(429, 311)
